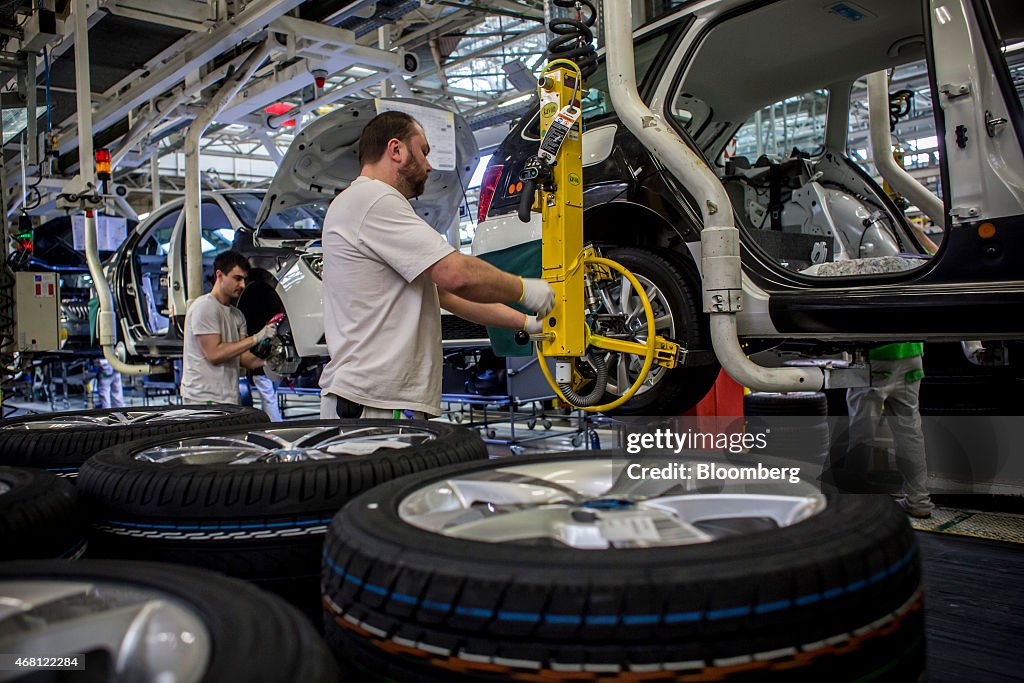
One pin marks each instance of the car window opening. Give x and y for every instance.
(812, 210)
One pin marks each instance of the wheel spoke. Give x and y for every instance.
(511, 491)
(585, 479)
(117, 418)
(652, 293)
(209, 454)
(622, 380)
(368, 440)
(266, 439)
(179, 414)
(146, 635)
(286, 444)
(692, 508)
(610, 306)
(547, 522)
(625, 298)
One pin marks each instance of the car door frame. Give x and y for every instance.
(176, 284)
(126, 286)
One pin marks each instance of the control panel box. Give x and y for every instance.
(38, 311)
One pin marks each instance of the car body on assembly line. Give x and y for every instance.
(761, 91)
(279, 230)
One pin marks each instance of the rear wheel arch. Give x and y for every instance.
(629, 224)
(260, 301)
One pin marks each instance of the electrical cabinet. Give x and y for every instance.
(38, 311)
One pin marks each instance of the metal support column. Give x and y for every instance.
(193, 187)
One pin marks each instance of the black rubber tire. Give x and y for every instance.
(804, 439)
(40, 516)
(255, 637)
(64, 450)
(138, 509)
(836, 401)
(797, 403)
(405, 604)
(684, 386)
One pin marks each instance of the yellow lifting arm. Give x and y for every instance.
(556, 173)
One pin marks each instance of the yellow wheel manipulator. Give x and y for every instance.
(553, 186)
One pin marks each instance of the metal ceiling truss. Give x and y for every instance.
(165, 92)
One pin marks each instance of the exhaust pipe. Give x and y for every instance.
(720, 240)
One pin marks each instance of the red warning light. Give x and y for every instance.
(102, 164)
(278, 108)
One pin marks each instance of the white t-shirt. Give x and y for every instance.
(201, 380)
(382, 317)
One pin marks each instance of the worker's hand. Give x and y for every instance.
(267, 332)
(533, 325)
(974, 351)
(537, 296)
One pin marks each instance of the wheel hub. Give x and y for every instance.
(293, 455)
(592, 504)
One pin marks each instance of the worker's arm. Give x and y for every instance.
(923, 238)
(219, 352)
(475, 280)
(492, 315)
(250, 362)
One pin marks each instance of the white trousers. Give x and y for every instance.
(268, 397)
(108, 386)
(894, 399)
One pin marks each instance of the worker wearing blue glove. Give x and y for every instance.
(387, 274)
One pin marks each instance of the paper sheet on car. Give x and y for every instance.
(438, 124)
(627, 527)
(110, 232)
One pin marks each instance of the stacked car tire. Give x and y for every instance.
(253, 503)
(796, 424)
(836, 596)
(61, 442)
(358, 517)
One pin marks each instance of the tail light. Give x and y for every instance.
(487, 187)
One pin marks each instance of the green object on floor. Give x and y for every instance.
(997, 526)
(523, 260)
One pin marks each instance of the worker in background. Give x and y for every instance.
(109, 388)
(108, 380)
(267, 390)
(216, 341)
(896, 374)
(387, 274)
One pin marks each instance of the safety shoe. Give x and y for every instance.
(912, 510)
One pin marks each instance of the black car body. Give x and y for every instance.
(714, 69)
